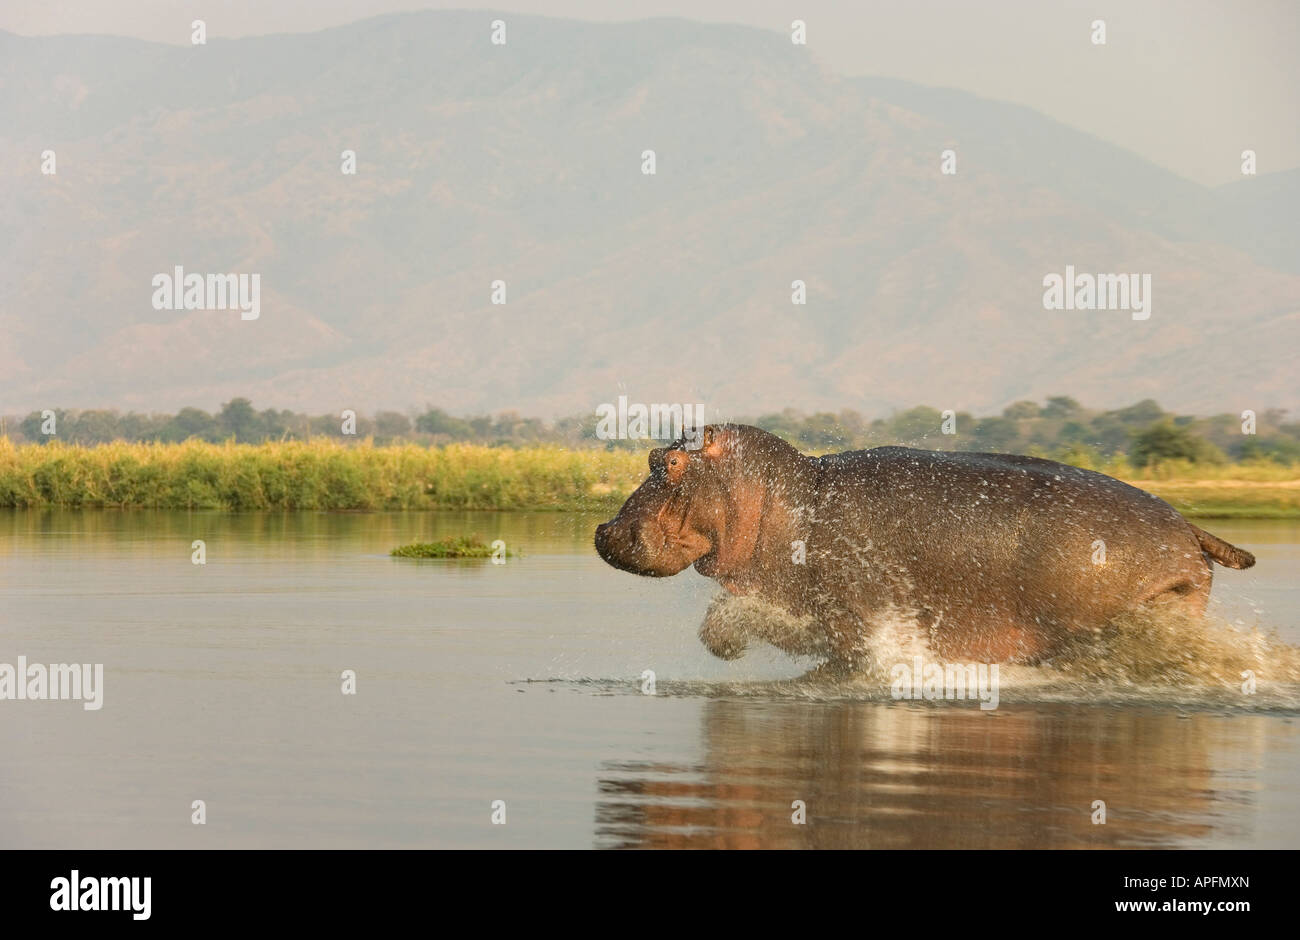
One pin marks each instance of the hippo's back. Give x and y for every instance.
(1031, 538)
(909, 473)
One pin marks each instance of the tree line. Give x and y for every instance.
(1060, 427)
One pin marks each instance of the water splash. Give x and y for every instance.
(1173, 648)
(1155, 656)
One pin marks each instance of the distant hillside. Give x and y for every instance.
(522, 163)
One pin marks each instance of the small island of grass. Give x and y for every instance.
(455, 547)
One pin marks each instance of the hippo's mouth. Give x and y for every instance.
(686, 541)
(673, 501)
(707, 564)
(661, 546)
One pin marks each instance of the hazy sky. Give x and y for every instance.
(1186, 83)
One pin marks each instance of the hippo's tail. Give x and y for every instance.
(1230, 556)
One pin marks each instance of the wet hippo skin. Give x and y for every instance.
(1001, 557)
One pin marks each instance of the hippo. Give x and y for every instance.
(1000, 558)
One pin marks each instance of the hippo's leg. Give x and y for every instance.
(722, 635)
(1185, 592)
(846, 642)
(729, 626)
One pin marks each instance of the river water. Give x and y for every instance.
(524, 683)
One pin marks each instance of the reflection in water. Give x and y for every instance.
(885, 776)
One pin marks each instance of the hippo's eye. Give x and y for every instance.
(675, 463)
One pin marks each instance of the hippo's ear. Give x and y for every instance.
(713, 442)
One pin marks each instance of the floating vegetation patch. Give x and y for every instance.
(459, 546)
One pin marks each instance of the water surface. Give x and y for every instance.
(521, 683)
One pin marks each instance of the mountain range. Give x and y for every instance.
(523, 163)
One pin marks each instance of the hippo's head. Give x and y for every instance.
(701, 505)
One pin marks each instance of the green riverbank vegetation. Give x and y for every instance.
(328, 475)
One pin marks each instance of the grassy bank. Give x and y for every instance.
(1228, 499)
(328, 475)
(315, 475)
